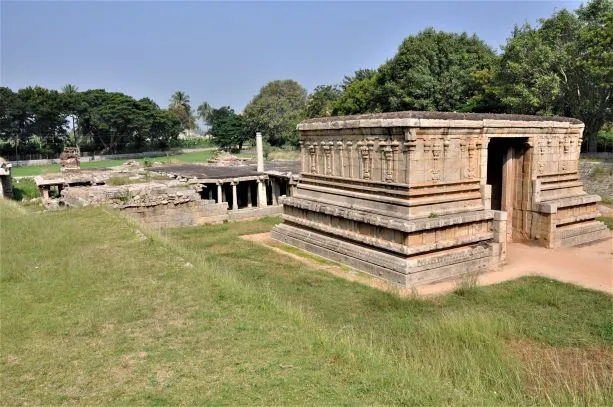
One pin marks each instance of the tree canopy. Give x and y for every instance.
(564, 66)
(432, 70)
(34, 120)
(227, 128)
(276, 110)
(321, 102)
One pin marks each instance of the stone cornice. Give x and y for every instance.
(438, 119)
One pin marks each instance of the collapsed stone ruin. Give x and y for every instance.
(175, 195)
(415, 197)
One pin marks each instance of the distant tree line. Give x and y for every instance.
(35, 120)
(563, 66)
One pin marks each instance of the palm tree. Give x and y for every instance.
(179, 103)
(71, 92)
(204, 111)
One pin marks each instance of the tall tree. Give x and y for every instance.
(434, 70)
(71, 99)
(180, 106)
(359, 93)
(564, 67)
(204, 111)
(227, 128)
(276, 110)
(320, 103)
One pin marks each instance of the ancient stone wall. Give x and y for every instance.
(597, 177)
(408, 196)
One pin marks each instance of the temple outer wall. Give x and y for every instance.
(406, 196)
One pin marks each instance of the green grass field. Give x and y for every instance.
(194, 157)
(95, 311)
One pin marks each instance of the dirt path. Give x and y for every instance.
(589, 266)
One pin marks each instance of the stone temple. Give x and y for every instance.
(416, 197)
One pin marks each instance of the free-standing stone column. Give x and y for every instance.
(261, 193)
(219, 196)
(234, 200)
(259, 151)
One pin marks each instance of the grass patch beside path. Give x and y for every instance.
(95, 312)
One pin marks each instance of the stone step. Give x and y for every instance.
(579, 218)
(567, 231)
(585, 238)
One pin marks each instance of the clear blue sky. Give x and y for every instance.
(224, 53)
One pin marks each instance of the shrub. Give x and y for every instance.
(25, 189)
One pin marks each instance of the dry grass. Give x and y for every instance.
(578, 376)
(95, 311)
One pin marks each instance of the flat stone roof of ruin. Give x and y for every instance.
(437, 119)
(210, 172)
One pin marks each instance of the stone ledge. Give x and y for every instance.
(386, 244)
(387, 221)
(391, 268)
(554, 205)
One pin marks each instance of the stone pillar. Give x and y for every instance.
(500, 232)
(249, 204)
(219, 195)
(259, 149)
(276, 191)
(234, 198)
(45, 192)
(262, 201)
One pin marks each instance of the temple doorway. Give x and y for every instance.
(508, 173)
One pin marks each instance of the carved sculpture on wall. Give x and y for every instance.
(313, 154)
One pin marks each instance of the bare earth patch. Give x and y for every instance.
(590, 266)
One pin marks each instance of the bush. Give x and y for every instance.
(25, 189)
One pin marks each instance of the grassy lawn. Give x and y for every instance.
(194, 157)
(94, 311)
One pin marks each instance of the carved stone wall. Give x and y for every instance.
(405, 195)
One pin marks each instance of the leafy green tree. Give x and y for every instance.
(180, 106)
(275, 111)
(564, 67)
(320, 103)
(117, 122)
(434, 70)
(227, 128)
(358, 94)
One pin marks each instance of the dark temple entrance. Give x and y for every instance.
(507, 173)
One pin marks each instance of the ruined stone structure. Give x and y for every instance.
(415, 197)
(70, 159)
(156, 204)
(6, 185)
(177, 195)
